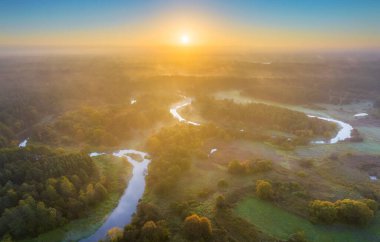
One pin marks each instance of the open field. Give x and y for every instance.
(280, 224)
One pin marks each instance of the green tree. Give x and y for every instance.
(50, 193)
(75, 208)
(66, 188)
(90, 193)
(28, 218)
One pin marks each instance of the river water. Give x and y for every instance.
(176, 115)
(343, 134)
(23, 143)
(128, 202)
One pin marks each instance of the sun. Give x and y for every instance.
(185, 39)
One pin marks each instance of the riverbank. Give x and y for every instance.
(119, 171)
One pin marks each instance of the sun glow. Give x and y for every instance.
(185, 39)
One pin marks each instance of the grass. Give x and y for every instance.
(280, 223)
(112, 167)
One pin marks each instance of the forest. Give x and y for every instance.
(263, 117)
(104, 126)
(42, 188)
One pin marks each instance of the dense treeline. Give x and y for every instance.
(306, 79)
(147, 225)
(106, 126)
(258, 115)
(287, 78)
(347, 211)
(18, 113)
(35, 88)
(42, 188)
(6, 135)
(172, 150)
(248, 167)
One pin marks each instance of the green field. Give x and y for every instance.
(280, 224)
(77, 229)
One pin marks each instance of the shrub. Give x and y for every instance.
(220, 202)
(297, 237)
(372, 204)
(306, 163)
(131, 233)
(154, 232)
(245, 167)
(301, 174)
(150, 231)
(115, 234)
(222, 184)
(205, 192)
(345, 211)
(196, 227)
(236, 167)
(146, 212)
(260, 166)
(353, 212)
(323, 211)
(180, 208)
(264, 189)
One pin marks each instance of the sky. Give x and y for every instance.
(266, 24)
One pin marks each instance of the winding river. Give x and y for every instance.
(343, 134)
(127, 205)
(174, 111)
(122, 214)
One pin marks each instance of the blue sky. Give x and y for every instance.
(24, 22)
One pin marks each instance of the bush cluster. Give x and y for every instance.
(344, 211)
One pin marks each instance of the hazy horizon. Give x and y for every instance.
(252, 25)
